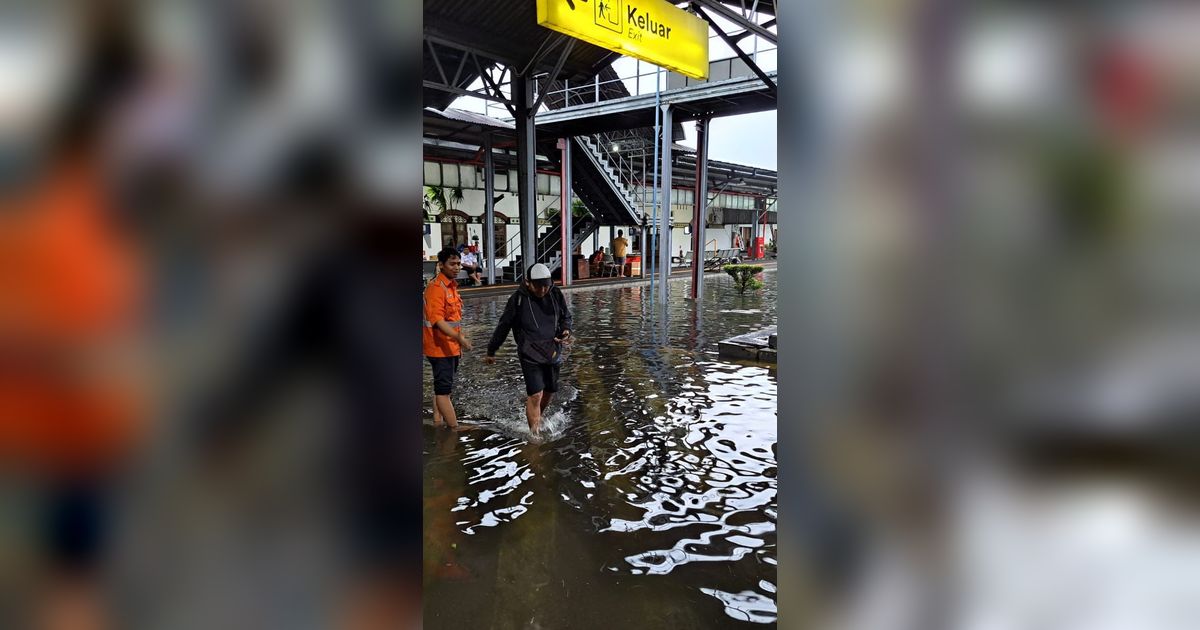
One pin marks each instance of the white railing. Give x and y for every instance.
(639, 83)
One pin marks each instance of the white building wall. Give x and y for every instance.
(472, 205)
(717, 237)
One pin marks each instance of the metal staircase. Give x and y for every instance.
(603, 184)
(549, 247)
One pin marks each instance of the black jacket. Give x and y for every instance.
(533, 321)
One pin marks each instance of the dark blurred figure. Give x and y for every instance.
(339, 313)
(71, 385)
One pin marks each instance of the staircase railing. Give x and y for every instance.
(548, 244)
(612, 175)
(511, 248)
(514, 251)
(629, 159)
(551, 243)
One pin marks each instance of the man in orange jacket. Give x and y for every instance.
(73, 388)
(443, 339)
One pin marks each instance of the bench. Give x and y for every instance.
(716, 259)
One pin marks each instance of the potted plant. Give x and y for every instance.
(744, 276)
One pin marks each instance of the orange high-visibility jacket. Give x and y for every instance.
(69, 300)
(442, 302)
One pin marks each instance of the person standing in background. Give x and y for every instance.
(619, 247)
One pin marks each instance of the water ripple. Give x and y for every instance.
(656, 454)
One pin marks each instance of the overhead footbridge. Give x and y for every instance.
(560, 97)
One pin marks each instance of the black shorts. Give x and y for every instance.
(444, 369)
(75, 524)
(539, 377)
(382, 519)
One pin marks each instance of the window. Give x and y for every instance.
(450, 175)
(543, 184)
(500, 181)
(555, 185)
(433, 174)
(466, 176)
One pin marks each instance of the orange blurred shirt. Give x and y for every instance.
(69, 293)
(442, 302)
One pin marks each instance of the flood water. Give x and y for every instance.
(650, 499)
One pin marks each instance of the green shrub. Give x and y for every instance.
(743, 276)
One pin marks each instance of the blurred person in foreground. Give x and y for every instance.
(72, 388)
(336, 318)
(540, 321)
(442, 339)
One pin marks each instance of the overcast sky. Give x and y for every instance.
(747, 139)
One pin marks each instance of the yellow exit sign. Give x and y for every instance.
(650, 30)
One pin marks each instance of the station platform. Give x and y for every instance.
(678, 272)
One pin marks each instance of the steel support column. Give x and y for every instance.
(701, 209)
(763, 228)
(754, 231)
(489, 210)
(526, 171)
(664, 217)
(568, 270)
(645, 247)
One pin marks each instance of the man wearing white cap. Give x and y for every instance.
(540, 321)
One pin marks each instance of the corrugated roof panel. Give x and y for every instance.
(461, 115)
(509, 30)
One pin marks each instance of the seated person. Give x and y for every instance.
(597, 262)
(470, 263)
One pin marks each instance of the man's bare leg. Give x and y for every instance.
(533, 412)
(73, 602)
(437, 415)
(382, 602)
(442, 404)
(546, 398)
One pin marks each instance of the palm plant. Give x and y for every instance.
(439, 200)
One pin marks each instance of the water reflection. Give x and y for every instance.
(651, 500)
